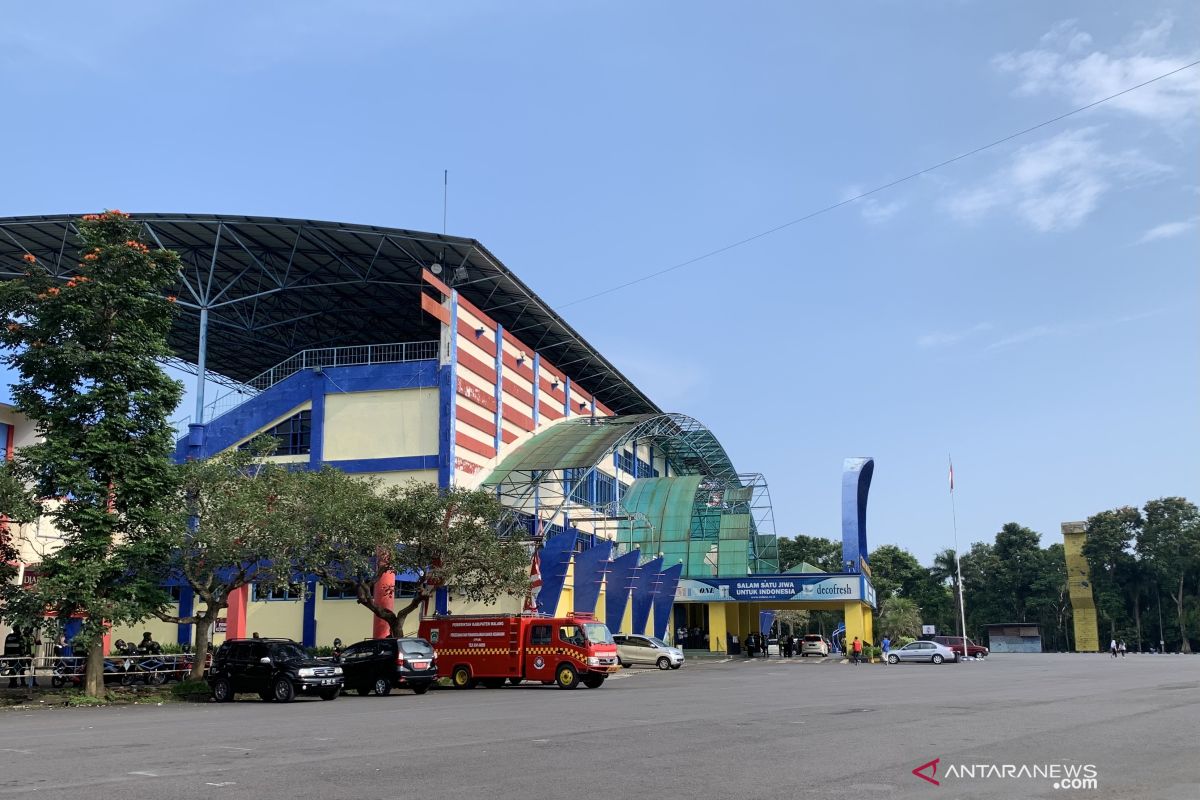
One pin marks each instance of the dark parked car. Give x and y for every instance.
(274, 669)
(378, 665)
(955, 643)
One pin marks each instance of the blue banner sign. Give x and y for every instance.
(831, 588)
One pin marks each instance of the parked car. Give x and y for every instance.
(274, 669)
(955, 643)
(379, 665)
(814, 645)
(932, 652)
(633, 650)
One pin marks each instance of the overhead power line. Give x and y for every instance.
(877, 189)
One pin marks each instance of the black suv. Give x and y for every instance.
(376, 665)
(274, 669)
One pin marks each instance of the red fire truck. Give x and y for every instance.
(490, 649)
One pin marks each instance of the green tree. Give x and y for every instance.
(824, 554)
(17, 507)
(1050, 599)
(1108, 548)
(895, 571)
(447, 537)
(237, 527)
(899, 616)
(1020, 555)
(87, 353)
(984, 600)
(1170, 543)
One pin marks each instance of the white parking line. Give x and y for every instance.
(147, 774)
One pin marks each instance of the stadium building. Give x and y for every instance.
(405, 355)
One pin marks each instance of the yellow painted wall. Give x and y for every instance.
(388, 479)
(345, 620)
(163, 632)
(1083, 602)
(385, 424)
(269, 618)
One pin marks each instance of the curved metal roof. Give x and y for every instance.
(276, 286)
(582, 442)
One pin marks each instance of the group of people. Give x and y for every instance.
(692, 639)
(1115, 647)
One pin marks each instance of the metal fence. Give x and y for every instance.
(28, 672)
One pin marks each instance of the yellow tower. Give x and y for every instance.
(1079, 584)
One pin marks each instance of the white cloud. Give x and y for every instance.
(1168, 230)
(949, 338)
(873, 211)
(1065, 64)
(1029, 334)
(1055, 184)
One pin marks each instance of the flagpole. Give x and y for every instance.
(962, 609)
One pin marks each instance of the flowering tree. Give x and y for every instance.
(87, 353)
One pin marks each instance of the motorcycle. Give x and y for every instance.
(138, 665)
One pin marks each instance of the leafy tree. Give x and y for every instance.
(17, 508)
(824, 554)
(900, 617)
(1108, 548)
(1170, 543)
(895, 571)
(984, 599)
(447, 537)
(1050, 598)
(239, 528)
(796, 621)
(1020, 557)
(87, 352)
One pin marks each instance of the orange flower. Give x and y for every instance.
(171, 298)
(53, 291)
(90, 257)
(30, 258)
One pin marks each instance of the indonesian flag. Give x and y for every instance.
(951, 476)
(535, 582)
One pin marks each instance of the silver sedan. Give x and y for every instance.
(930, 652)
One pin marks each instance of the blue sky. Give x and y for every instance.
(1032, 309)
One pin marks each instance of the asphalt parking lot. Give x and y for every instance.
(711, 730)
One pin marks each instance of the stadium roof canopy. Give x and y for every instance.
(273, 287)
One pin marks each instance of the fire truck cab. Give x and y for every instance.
(490, 649)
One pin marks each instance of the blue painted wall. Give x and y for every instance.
(620, 581)
(644, 584)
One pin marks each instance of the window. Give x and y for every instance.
(292, 591)
(343, 591)
(294, 435)
(406, 589)
(571, 634)
(539, 634)
(176, 593)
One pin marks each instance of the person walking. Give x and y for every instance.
(14, 665)
(1112, 648)
(681, 637)
(885, 647)
(856, 649)
(1121, 647)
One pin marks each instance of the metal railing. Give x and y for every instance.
(56, 672)
(350, 356)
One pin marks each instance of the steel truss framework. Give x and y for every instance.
(255, 290)
(544, 487)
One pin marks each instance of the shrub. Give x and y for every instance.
(190, 689)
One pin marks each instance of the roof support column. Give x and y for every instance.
(201, 359)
